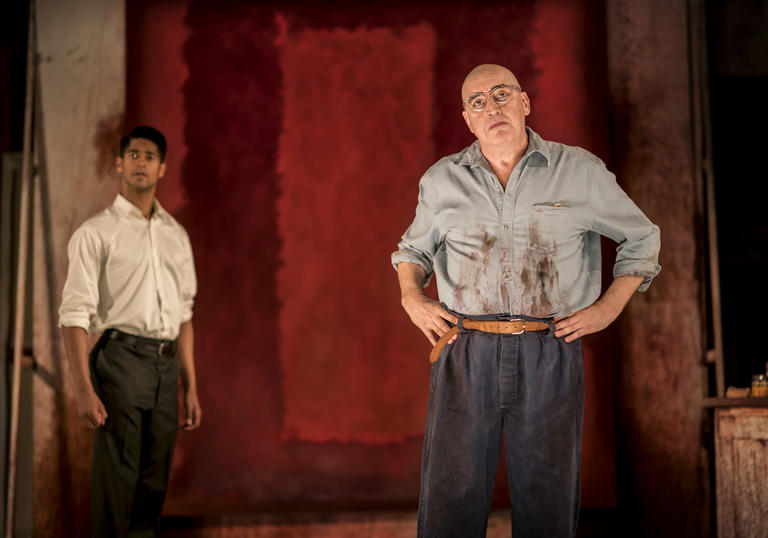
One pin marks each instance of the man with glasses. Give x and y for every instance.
(511, 227)
(131, 278)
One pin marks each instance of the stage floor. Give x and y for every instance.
(390, 524)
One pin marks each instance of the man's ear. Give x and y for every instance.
(161, 170)
(119, 165)
(526, 103)
(466, 120)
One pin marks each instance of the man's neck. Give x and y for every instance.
(503, 159)
(142, 200)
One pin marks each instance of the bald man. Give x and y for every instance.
(511, 227)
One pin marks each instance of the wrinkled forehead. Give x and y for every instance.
(485, 80)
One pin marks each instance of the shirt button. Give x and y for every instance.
(506, 226)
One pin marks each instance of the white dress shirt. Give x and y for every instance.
(129, 273)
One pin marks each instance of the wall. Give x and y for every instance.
(80, 109)
(664, 468)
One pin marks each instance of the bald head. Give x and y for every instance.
(487, 69)
(498, 110)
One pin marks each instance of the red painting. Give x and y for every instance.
(306, 130)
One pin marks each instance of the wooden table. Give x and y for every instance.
(741, 466)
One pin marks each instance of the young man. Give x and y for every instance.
(131, 278)
(511, 227)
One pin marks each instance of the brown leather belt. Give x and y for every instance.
(514, 326)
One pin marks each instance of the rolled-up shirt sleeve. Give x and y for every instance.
(188, 283)
(617, 217)
(420, 241)
(80, 296)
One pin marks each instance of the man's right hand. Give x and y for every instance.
(428, 315)
(89, 406)
(91, 409)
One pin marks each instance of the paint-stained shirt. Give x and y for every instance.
(129, 273)
(530, 249)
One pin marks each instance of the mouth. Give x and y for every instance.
(139, 174)
(496, 124)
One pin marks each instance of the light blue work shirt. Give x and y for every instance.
(534, 247)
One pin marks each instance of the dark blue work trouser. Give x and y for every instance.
(528, 387)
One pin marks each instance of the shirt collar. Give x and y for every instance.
(126, 208)
(473, 155)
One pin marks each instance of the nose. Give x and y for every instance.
(492, 107)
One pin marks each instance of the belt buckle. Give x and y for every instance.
(519, 332)
(160, 348)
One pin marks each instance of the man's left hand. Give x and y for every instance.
(589, 320)
(192, 411)
(601, 313)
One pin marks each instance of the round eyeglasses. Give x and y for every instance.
(500, 93)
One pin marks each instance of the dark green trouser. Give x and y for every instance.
(132, 452)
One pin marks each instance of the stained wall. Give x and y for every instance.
(664, 480)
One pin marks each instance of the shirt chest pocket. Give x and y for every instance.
(548, 225)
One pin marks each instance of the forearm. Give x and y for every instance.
(411, 277)
(602, 312)
(76, 347)
(186, 356)
(425, 313)
(619, 292)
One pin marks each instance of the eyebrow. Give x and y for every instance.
(503, 84)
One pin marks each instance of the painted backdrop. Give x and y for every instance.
(297, 137)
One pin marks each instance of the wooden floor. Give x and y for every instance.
(593, 524)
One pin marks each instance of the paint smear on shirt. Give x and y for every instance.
(495, 279)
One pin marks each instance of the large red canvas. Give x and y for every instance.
(313, 381)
